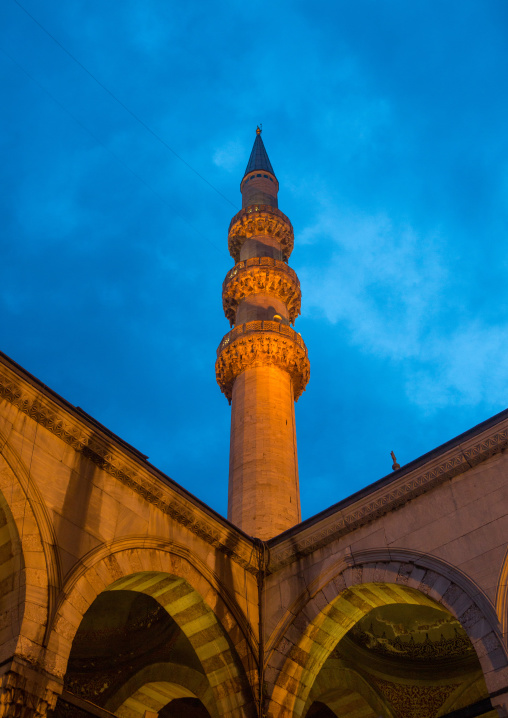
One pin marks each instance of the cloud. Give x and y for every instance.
(463, 368)
(390, 288)
(382, 281)
(230, 156)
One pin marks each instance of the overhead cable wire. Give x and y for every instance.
(125, 107)
(113, 154)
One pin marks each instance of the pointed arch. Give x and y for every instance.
(177, 581)
(356, 585)
(346, 683)
(502, 598)
(12, 585)
(32, 574)
(467, 694)
(166, 677)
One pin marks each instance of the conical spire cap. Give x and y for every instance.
(258, 159)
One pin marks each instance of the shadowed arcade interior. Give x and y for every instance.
(130, 656)
(10, 586)
(400, 661)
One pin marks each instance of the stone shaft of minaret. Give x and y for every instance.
(262, 365)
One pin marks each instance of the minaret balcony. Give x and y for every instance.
(262, 343)
(260, 220)
(261, 275)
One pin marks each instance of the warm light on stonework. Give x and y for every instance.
(262, 344)
(261, 275)
(262, 365)
(260, 221)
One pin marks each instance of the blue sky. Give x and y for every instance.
(385, 123)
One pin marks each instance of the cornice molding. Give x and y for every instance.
(261, 275)
(397, 493)
(104, 451)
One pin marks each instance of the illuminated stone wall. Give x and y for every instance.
(397, 599)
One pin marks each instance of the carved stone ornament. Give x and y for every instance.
(260, 220)
(261, 275)
(23, 697)
(414, 701)
(262, 344)
(429, 649)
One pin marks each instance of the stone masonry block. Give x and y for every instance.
(86, 590)
(496, 679)
(369, 572)
(486, 644)
(96, 581)
(416, 576)
(439, 588)
(495, 660)
(330, 592)
(461, 604)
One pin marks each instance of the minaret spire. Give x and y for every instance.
(262, 365)
(258, 160)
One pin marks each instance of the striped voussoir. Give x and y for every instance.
(199, 623)
(186, 593)
(23, 566)
(344, 600)
(6, 556)
(8, 566)
(155, 685)
(345, 692)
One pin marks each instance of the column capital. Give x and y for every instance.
(26, 692)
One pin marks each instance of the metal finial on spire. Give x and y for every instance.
(395, 465)
(259, 129)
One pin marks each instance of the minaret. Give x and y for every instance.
(262, 365)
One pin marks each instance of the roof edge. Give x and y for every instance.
(450, 459)
(62, 418)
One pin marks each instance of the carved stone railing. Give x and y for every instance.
(261, 275)
(261, 326)
(260, 220)
(262, 343)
